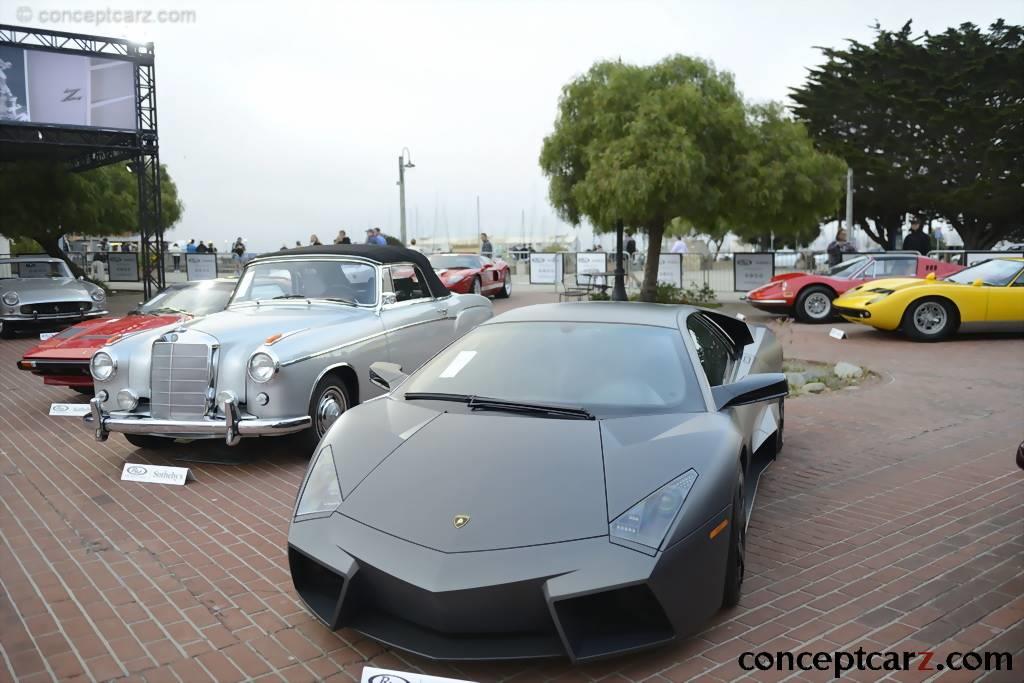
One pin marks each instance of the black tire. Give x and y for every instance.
(506, 287)
(478, 287)
(148, 442)
(814, 304)
(330, 389)
(735, 561)
(86, 391)
(930, 319)
(6, 330)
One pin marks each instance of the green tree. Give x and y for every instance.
(43, 201)
(647, 145)
(932, 124)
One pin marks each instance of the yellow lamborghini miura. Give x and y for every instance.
(989, 295)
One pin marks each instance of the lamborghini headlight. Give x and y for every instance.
(262, 366)
(648, 521)
(452, 279)
(322, 492)
(102, 366)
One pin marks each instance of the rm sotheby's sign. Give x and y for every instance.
(375, 675)
(155, 474)
(69, 409)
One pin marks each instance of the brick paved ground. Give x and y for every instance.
(894, 519)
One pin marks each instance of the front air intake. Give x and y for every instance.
(317, 585)
(613, 621)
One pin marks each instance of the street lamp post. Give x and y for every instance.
(619, 289)
(404, 162)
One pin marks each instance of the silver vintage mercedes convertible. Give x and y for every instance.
(289, 354)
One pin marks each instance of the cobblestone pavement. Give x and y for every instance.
(893, 520)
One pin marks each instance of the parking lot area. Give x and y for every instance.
(892, 521)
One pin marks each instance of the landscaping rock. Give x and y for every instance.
(844, 370)
(813, 388)
(815, 374)
(796, 379)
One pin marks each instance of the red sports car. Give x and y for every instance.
(465, 273)
(63, 359)
(808, 296)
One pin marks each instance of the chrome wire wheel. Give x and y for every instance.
(329, 408)
(817, 305)
(930, 318)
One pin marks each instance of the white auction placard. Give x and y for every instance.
(156, 474)
(836, 333)
(70, 409)
(43, 336)
(201, 266)
(372, 674)
(752, 270)
(670, 269)
(588, 262)
(545, 269)
(123, 266)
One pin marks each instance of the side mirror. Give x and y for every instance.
(977, 283)
(769, 386)
(387, 376)
(388, 298)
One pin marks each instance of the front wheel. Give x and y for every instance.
(6, 330)
(814, 305)
(147, 442)
(506, 287)
(329, 401)
(735, 561)
(929, 320)
(477, 288)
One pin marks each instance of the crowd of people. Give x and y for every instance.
(916, 239)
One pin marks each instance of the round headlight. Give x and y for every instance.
(98, 295)
(262, 367)
(102, 366)
(11, 298)
(127, 399)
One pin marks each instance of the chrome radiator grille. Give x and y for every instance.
(180, 379)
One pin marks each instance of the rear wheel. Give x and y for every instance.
(814, 305)
(506, 287)
(930, 320)
(737, 547)
(148, 442)
(329, 401)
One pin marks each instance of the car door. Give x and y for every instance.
(416, 324)
(490, 278)
(1006, 304)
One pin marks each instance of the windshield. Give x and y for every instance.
(18, 268)
(995, 273)
(847, 269)
(349, 281)
(201, 298)
(440, 261)
(605, 368)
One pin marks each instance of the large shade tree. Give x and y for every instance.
(43, 201)
(930, 124)
(676, 142)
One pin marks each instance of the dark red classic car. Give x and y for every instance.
(63, 359)
(471, 273)
(808, 296)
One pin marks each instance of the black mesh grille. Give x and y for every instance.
(55, 307)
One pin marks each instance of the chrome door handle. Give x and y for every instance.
(442, 311)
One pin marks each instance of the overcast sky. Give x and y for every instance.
(281, 119)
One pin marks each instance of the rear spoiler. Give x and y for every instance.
(737, 330)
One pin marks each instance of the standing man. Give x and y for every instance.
(679, 246)
(342, 238)
(486, 248)
(838, 247)
(191, 247)
(631, 247)
(369, 236)
(201, 249)
(378, 238)
(916, 239)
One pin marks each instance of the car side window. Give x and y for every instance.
(899, 267)
(408, 283)
(712, 349)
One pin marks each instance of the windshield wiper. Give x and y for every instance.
(290, 296)
(437, 396)
(480, 403)
(338, 299)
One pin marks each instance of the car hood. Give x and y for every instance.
(250, 324)
(407, 471)
(893, 284)
(38, 290)
(81, 341)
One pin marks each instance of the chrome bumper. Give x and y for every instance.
(51, 317)
(233, 426)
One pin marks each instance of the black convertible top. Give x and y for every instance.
(374, 252)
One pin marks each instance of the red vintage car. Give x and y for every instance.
(466, 273)
(808, 296)
(63, 359)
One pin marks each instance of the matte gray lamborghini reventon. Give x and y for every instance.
(566, 479)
